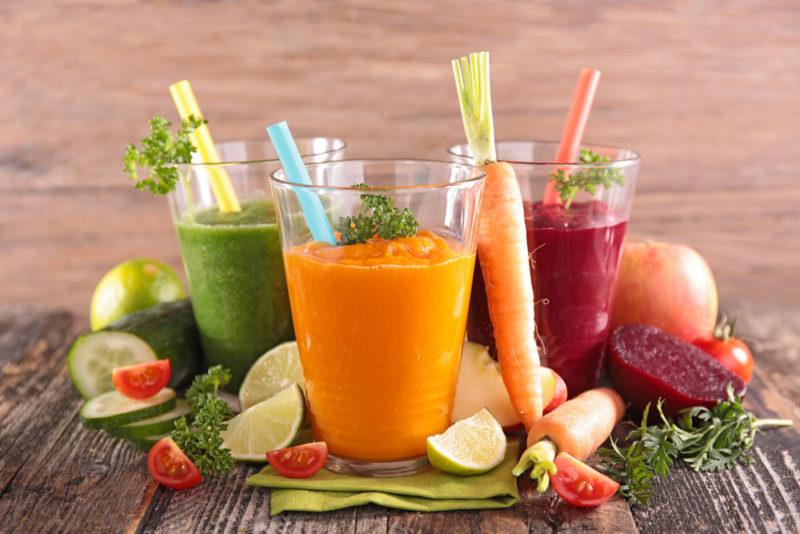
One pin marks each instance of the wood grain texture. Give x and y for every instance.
(709, 92)
(55, 475)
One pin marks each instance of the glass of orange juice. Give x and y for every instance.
(379, 317)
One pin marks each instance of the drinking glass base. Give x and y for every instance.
(399, 468)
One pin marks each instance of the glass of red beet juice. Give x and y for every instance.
(575, 252)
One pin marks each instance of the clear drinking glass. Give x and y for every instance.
(575, 256)
(233, 260)
(380, 325)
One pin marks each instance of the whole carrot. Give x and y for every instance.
(502, 245)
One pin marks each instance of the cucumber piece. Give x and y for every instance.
(146, 443)
(112, 409)
(94, 356)
(171, 332)
(164, 331)
(160, 424)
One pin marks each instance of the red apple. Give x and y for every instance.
(667, 286)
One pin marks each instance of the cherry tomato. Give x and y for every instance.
(579, 484)
(171, 467)
(731, 352)
(301, 461)
(142, 380)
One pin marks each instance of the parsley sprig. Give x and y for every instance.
(159, 154)
(201, 440)
(705, 439)
(569, 184)
(377, 215)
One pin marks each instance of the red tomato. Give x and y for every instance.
(301, 461)
(730, 352)
(171, 467)
(142, 380)
(579, 484)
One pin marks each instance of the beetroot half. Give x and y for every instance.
(647, 363)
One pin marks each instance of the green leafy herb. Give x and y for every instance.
(201, 440)
(569, 184)
(706, 439)
(377, 215)
(161, 151)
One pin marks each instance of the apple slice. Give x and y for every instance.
(480, 385)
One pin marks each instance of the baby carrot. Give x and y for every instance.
(502, 245)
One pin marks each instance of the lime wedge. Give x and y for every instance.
(276, 370)
(269, 425)
(469, 447)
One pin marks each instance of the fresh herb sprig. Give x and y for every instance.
(705, 439)
(569, 184)
(159, 154)
(377, 215)
(201, 440)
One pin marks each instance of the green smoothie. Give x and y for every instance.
(237, 284)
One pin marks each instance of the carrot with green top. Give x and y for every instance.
(502, 245)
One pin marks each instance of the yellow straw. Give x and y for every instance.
(201, 138)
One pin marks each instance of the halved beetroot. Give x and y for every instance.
(647, 363)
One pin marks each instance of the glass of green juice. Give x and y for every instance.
(233, 259)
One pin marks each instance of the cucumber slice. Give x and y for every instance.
(94, 356)
(160, 424)
(146, 443)
(164, 331)
(112, 409)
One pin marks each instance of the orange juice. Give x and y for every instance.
(380, 327)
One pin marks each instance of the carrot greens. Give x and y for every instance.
(377, 216)
(705, 439)
(159, 154)
(589, 179)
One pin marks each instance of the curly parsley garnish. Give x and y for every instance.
(377, 216)
(569, 185)
(705, 439)
(161, 151)
(201, 440)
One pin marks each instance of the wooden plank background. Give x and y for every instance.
(709, 92)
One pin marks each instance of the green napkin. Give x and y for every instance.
(430, 491)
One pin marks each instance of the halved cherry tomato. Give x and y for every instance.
(731, 352)
(579, 484)
(142, 380)
(171, 467)
(301, 461)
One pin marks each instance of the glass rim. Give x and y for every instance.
(479, 175)
(622, 162)
(341, 144)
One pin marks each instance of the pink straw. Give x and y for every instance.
(574, 127)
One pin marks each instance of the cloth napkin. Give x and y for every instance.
(430, 491)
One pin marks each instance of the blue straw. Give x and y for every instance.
(297, 173)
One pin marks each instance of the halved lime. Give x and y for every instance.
(269, 425)
(132, 286)
(469, 447)
(276, 370)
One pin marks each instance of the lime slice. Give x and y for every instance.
(469, 447)
(269, 425)
(132, 286)
(276, 370)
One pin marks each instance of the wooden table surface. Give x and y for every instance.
(708, 92)
(57, 476)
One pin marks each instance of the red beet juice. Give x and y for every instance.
(576, 253)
